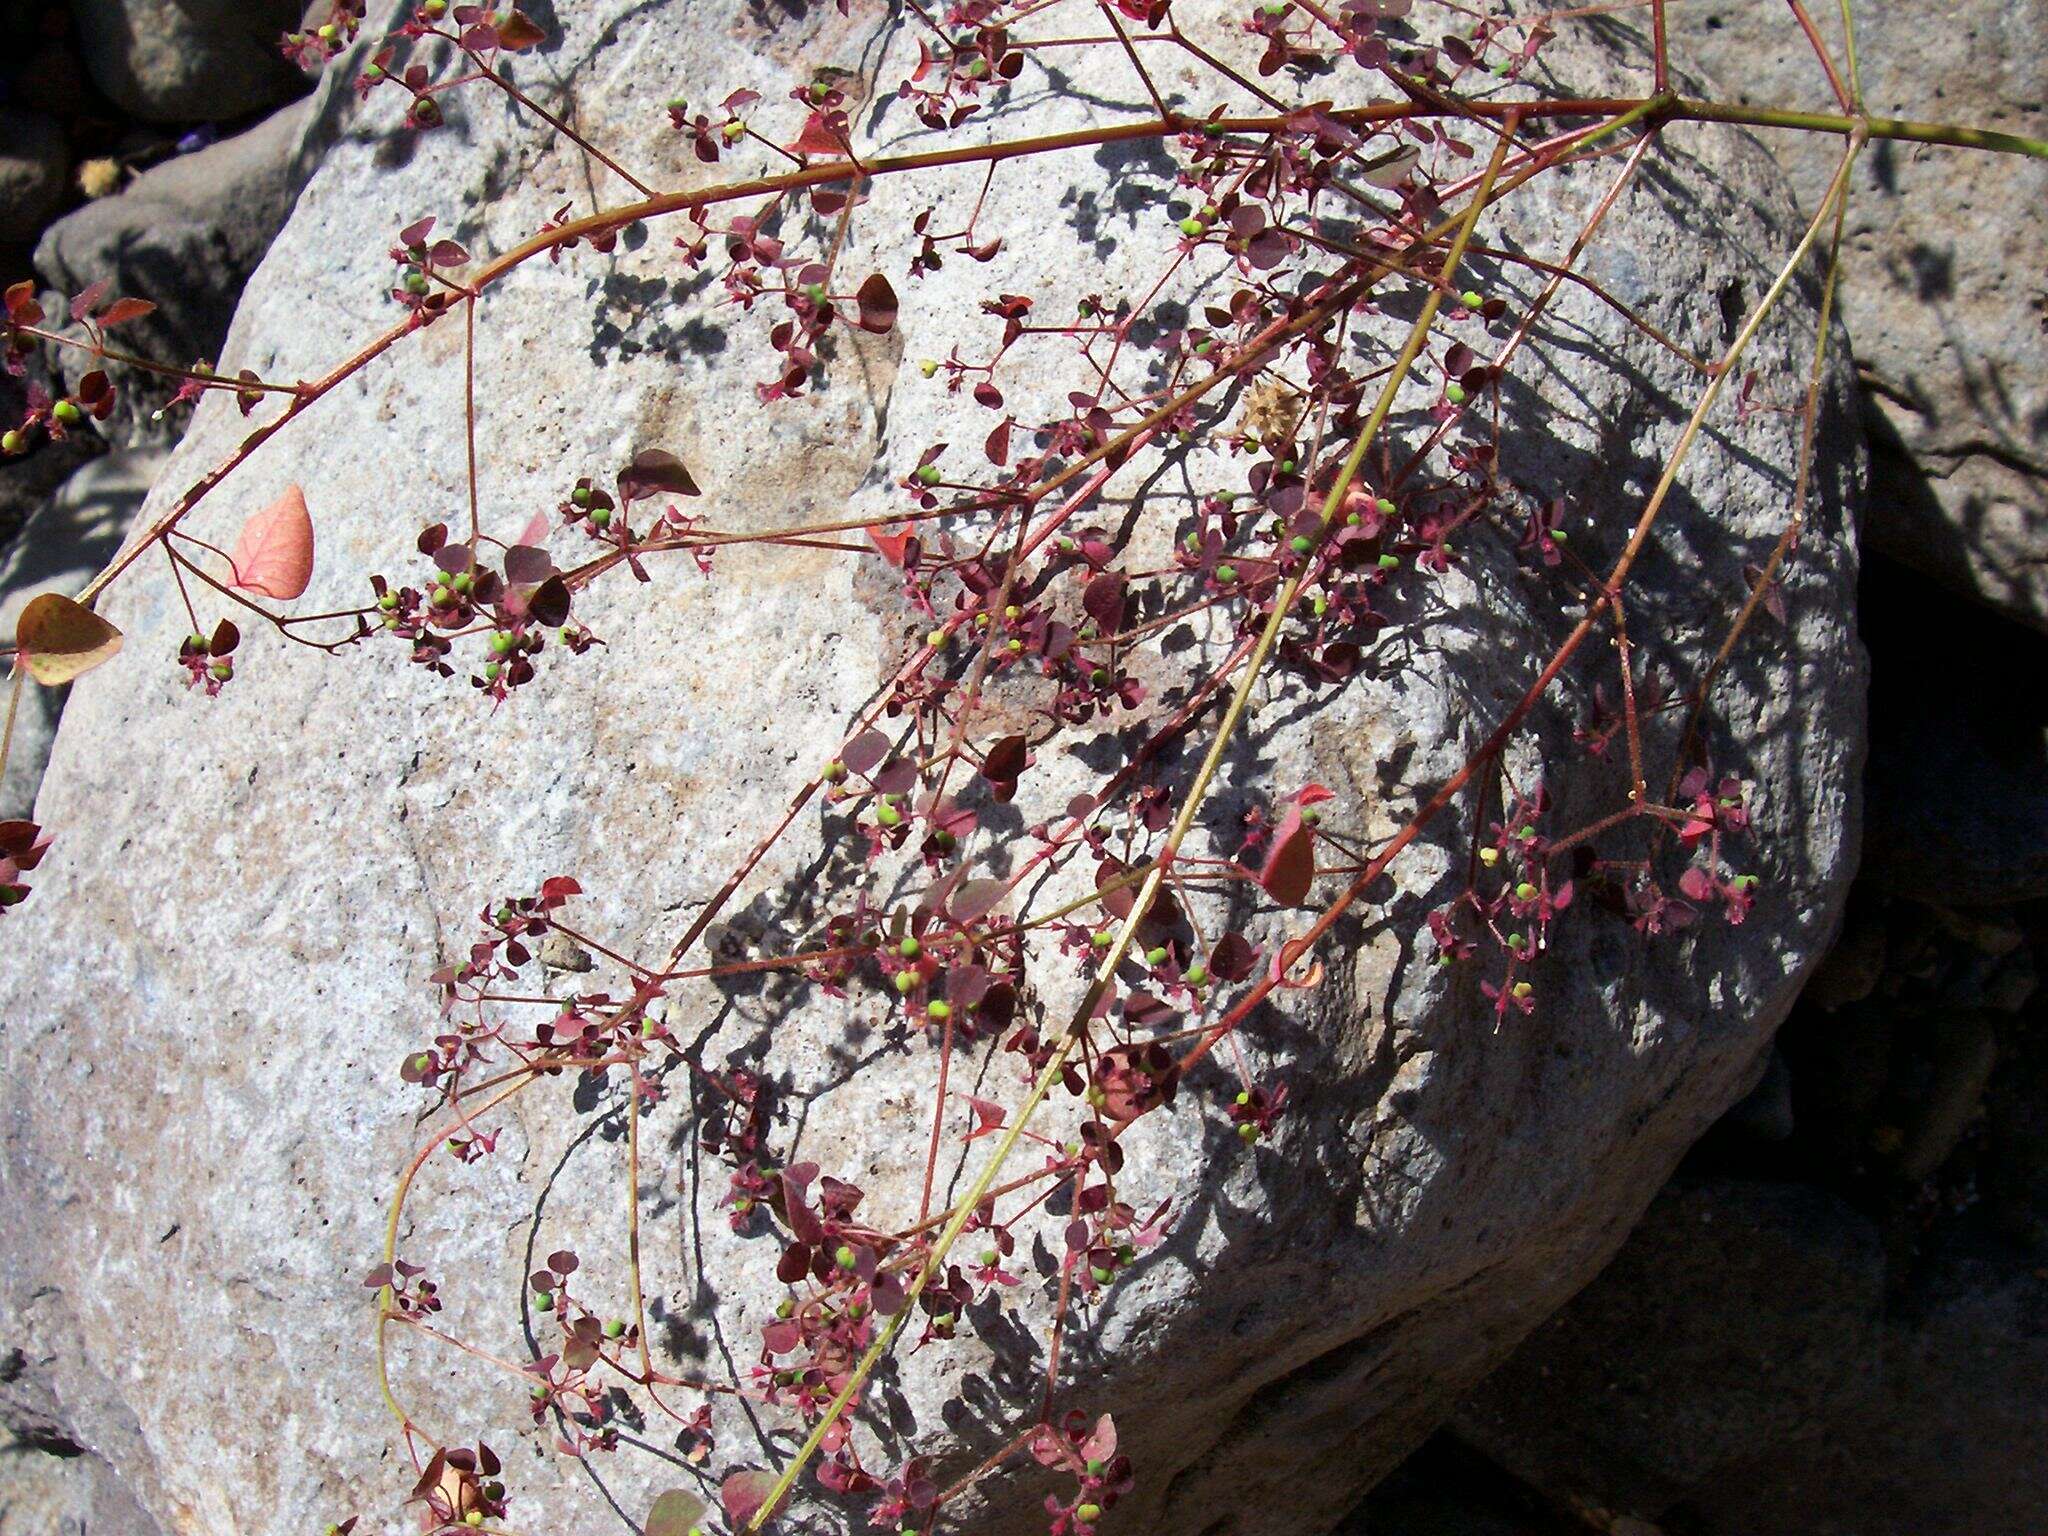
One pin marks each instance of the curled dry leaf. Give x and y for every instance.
(57, 638)
(274, 555)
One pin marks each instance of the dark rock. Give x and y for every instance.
(1953, 1443)
(1965, 1048)
(2014, 1177)
(1852, 968)
(189, 61)
(1958, 769)
(1765, 1114)
(33, 162)
(185, 235)
(1737, 1315)
(1448, 1489)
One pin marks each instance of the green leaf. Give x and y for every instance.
(674, 1513)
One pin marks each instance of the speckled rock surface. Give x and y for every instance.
(222, 965)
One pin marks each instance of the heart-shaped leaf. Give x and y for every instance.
(1291, 866)
(274, 555)
(674, 1513)
(744, 1492)
(655, 469)
(877, 301)
(58, 639)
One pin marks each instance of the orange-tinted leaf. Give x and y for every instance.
(274, 555)
(123, 310)
(818, 139)
(892, 545)
(58, 639)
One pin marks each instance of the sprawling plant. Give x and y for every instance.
(1338, 465)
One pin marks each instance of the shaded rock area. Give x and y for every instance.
(1878, 1367)
(186, 234)
(1736, 1316)
(1945, 295)
(189, 61)
(34, 162)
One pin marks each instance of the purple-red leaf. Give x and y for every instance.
(877, 302)
(1290, 866)
(653, 470)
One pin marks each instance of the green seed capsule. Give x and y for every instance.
(1196, 975)
(1301, 544)
(1390, 562)
(1471, 299)
(909, 949)
(938, 1009)
(1248, 1133)
(928, 474)
(846, 1258)
(1156, 956)
(1522, 989)
(906, 981)
(1226, 574)
(601, 517)
(613, 1328)
(1192, 228)
(1525, 892)
(580, 496)
(928, 366)
(67, 413)
(1088, 1513)
(1455, 393)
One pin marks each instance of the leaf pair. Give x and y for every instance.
(58, 638)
